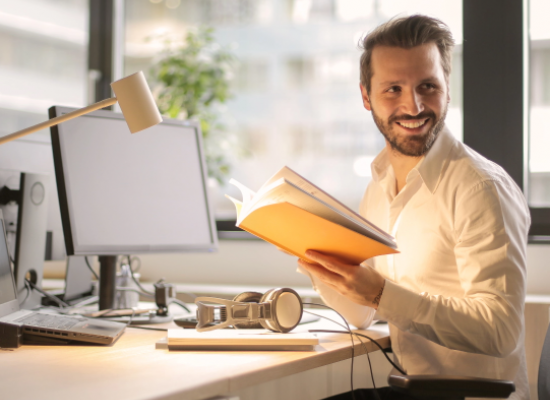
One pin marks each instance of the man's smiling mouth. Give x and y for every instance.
(413, 124)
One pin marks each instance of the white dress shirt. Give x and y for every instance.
(454, 295)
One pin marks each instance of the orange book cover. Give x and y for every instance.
(300, 218)
(295, 230)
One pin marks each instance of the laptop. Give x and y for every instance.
(18, 327)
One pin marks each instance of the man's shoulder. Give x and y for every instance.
(467, 168)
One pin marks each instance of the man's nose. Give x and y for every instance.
(412, 103)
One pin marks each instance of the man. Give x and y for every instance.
(454, 295)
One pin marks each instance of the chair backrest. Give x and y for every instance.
(544, 370)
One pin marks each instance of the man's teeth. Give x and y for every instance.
(412, 125)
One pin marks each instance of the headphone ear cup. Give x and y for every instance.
(248, 297)
(286, 309)
(265, 323)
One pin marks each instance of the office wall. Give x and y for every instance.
(259, 263)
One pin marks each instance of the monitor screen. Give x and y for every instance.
(123, 193)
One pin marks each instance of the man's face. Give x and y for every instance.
(409, 96)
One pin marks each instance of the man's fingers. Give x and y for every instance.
(330, 262)
(319, 270)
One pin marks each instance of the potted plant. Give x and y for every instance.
(190, 80)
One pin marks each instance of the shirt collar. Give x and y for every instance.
(430, 167)
(436, 159)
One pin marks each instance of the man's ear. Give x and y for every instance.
(365, 96)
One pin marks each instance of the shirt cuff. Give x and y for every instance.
(398, 305)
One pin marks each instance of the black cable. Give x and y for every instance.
(90, 267)
(27, 295)
(61, 303)
(370, 366)
(367, 337)
(148, 328)
(358, 337)
(352, 343)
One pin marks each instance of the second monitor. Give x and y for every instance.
(122, 193)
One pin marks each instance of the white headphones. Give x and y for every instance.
(278, 310)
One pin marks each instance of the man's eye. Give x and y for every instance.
(394, 89)
(429, 86)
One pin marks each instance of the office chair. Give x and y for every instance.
(458, 387)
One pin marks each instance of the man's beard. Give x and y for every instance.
(413, 145)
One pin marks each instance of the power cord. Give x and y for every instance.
(60, 302)
(359, 336)
(28, 290)
(352, 343)
(90, 268)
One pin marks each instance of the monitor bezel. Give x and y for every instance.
(55, 111)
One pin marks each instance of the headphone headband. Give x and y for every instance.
(279, 310)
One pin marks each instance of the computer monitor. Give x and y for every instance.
(122, 193)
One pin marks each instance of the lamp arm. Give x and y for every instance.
(58, 120)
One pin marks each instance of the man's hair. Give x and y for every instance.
(407, 32)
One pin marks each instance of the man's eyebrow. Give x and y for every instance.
(391, 83)
(430, 79)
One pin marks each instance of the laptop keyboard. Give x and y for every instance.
(50, 321)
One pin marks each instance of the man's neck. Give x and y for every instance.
(402, 165)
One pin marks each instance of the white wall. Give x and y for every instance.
(538, 269)
(259, 263)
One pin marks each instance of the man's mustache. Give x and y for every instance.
(422, 115)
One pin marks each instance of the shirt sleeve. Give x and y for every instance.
(491, 222)
(357, 315)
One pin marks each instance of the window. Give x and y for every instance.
(43, 60)
(296, 85)
(539, 110)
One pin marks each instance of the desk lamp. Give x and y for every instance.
(133, 96)
(140, 112)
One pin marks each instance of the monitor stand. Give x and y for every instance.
(107, 293)
(107, 282)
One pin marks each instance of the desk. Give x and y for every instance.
(132, 368)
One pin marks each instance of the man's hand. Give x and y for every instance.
(359, 284)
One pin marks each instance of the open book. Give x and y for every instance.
(295, 215)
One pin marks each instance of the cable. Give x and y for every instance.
(352, 343)
(181, 304)
(134, 278)
(90, 267)
(139, 263)
(358, 335)
(367, 337)
(150, 294)
(61, 303)
(26, 295)
(370, 365)
(148, 328)
(128, 289)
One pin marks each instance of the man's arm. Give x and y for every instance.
(356, 314)
(490, 257)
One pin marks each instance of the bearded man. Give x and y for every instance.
(454, 295)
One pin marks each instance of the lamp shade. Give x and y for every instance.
(136, 102)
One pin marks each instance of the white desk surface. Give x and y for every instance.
(132, 368)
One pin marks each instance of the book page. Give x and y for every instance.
(301, 182)
(282, 190)
(238, 204)
(246, 192)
